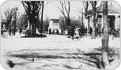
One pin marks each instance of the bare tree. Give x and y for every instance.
(65, 10)
(22, 22)
(92, 14)
(86, 5)
(105, 37)
(32, 9)
(94, 11)
(42, 17)
(9, 15)
(8, 18)
(14, 20)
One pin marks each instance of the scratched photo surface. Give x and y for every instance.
(60, 34)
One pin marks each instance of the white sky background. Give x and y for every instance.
(51, 9)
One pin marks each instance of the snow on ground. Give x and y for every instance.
(51, 42)
(54, 42)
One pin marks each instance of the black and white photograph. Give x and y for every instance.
(57, 34)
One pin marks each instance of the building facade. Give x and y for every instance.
(54, 27)
(113, 18)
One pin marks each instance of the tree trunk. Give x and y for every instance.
(88, 30)
(42, 17)
(33, 29)
(9, 27)
(94, 28)
(32, 25)
(94, 20)
(14, 28)
(105, 37)
(68, 20)
(14, 24)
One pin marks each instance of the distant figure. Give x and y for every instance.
(77, 33)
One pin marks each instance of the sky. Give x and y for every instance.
(51, 9)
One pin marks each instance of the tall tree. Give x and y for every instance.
(86, 5)
(42, 16)
(32, 9)
(92, 14)
(65, 10)
(94, 11)
(9, 15)
(22, 22)
(105, 37)
(14, 20)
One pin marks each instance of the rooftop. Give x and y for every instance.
(55, 20)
